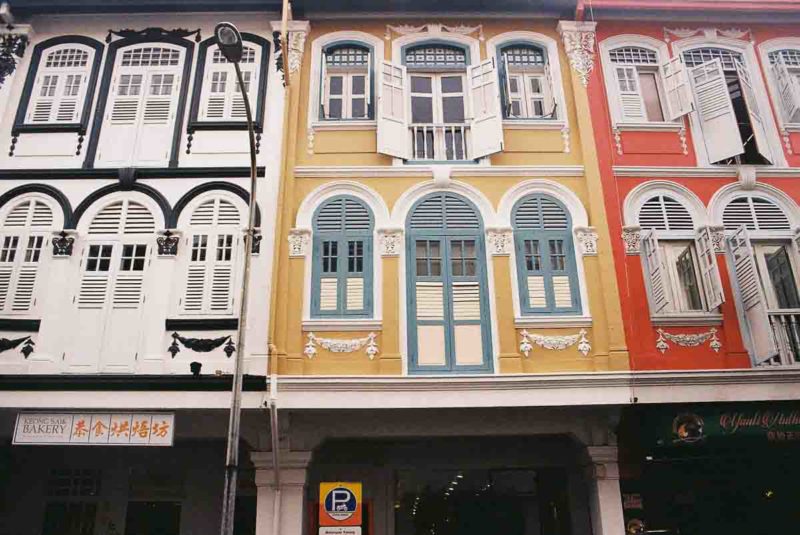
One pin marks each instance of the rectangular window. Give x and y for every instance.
(558, 258)
(34, 248)
(72, 85)
(652, 103)
(330, 256)
(49, 84)
(218, 81)
(683, 276)
(130, 85)
(246, 80)
(463, 258)
(9, 251)
(224, 247)
(355, 256)
(688, 281)
(527, 96)
(133, 257)
(335, 97)
(99, 258)
(429, 258)
(781, 278)
(161, 84)
(199, 247)
(533, 257)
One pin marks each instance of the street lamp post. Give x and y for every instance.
(229, 41)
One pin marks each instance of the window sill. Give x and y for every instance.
(222, 125)
(533, 124)
(686, 320)
(792, 127)
(77, 128)
(337, 324)
(649, 127)
(541, 322)
(321, 126)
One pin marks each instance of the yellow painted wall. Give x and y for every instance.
(330, 149)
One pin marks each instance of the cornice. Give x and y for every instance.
(700, 172)
(426, 171)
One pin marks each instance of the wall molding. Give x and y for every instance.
(425, 171)
(701, 172)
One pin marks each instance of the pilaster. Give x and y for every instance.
(605, 498)
(284, 499)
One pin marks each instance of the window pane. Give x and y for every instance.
(513, 84)
(652, 104)
(336, 85)
(452, 84)
(330, 252)
(422, 268)
(9, 248)
(453, 109)
(421, 110)
(558, 260)
(516, 110)
(335, 108)
(355, 256)
(687, 278)
(782, 278)
(421, 84)
(358, 85)
(34, 249)
(536, 85)
(359, 107)
(533, 258)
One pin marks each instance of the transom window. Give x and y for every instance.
(248, 56)
(347, 56)
(754, 213)
(150, 57)
(346, 83)
(633, 55)
(67, 57)
(791, 57)
(527, 83)
(436, 56)
(698, 56)
(638, 82)
(525, 56)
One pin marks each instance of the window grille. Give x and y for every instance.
(633, 55)
(698, 56)
(150, 57)
(436, 56)
(525, 56)
(791, 57)
(347, 56)
(67, 57)
(248, 56)
(74, 482)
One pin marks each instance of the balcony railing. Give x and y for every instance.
(439, 141)
(786, 330)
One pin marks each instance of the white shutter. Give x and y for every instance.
(756, 119)
(715, 111)
(6, 276)
(487, 123)
(788, 91)
(220, 300)
(154, 141)
(192, 302)
(29, 255)
(213, 106)
(118, 139)
(393, 134)
(677, 89)
(630, 99)
(655, 272)
(709, 269)
(323, 87)
(750, 298)
(549, 93)
(368, 81)
(507, 84)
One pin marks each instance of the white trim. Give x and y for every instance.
(191, 206)
(748, 52)
(349, 125)
(649, 127)
(426, 171)
(551, 322)
(553, 59)
(726, 194)
(700, 172)
(313, 120)
(400, 213)
(343, 325)
(579, 218)
(639, 195)
(55, 208)
(687, 320)
(764, 49)
(436, 34)
(102, 202)
(305, 220)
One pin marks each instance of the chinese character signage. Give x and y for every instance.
(95, 429)
(340, 508)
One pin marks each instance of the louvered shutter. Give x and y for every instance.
(368, 83)
(64, 106)
(393, 135)
(709, 269)
(750, 299)
(665, 213)
(506, 77)
(154, 141)
(756, 119)
(550, 90)
(486, 129)
(213, 106)
(715, 111)
(123, 115)
(788, 91)
(655, 272)
(754, 213)
(677, 89)
(630, 96)
(323, 87)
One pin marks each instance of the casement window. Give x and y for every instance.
(733, 127)
(211, 255)
(453, 106)
(140, 115)
(449, 329)
(23, 249)
(111, 292)
(545, 257)
(61, 85)
(346, 82)
(785, 67)
(222, 98)
(527, 83)
(637, 83)
(679, 262)
(342, 259)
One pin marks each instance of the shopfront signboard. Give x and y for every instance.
(94, 429)
(340, 508)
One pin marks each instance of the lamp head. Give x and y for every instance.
(229, 41)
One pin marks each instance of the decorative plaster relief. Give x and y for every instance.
(718, 239)
(168, 243)
(335, 345)
(579, 41)
(434, 29)
(554, 342)
(297, 43)
(688, 340)
(299, 239)
(565, 138)
(587, 240)
(390, 241)
(500, 240)
(63, 243)
(746, 175)
(632, 237)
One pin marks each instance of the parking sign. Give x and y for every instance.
(339, 504)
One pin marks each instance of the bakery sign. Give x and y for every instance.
(94, 429)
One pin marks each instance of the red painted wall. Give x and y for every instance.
(664, 149)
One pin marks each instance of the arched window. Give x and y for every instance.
(763, 252)
(26, 229)
(785, 66)
(342, 259)
(110, 298)
(545, 255)
(449, 329)
(638, 84)
(61, 85)
(346, 82)
(680, 264)
(142, 106)
(211, 255)
(528, 91)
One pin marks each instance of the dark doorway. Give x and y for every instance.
(69, 518)
(153, 518)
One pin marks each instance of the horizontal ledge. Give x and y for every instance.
(532, 124)
(201, 324)
(324, 126)
(699, 172)
(76, 128)
(20, 325)
(426, 171)
(649, 127)
(552, 323)
(332, 325)
(222, 125)
(140, 173)
(129, 382)
(679, 320)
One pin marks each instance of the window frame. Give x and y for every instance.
(40, 51)
(765, 50)
(548, 91)
(761, 248)
(609, 67)
(204, 64)
(342, 238)
(347, 74)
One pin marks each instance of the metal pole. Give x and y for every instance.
(234, 423)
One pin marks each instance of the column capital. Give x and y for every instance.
(579, 38)
(603, 462)
(293, 465)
